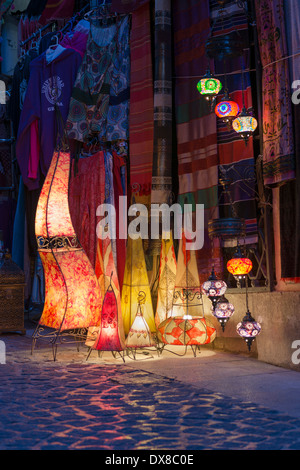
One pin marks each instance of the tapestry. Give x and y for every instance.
(278, 144)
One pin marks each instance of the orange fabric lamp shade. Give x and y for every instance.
(72, 295)
(239, 266)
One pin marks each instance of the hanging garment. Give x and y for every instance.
(195, 125)
(100, 98)
(278, 143)
(19, 88)
(77, 39)
(49, 85)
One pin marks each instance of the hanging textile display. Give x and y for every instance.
(100, 97)
(195, 124)
(236, 160)
(135, 280)
(290, 192)
(141, 106)
(162, 155)
(38, 128)
(166, 280)
(72, 299)
(278, 143)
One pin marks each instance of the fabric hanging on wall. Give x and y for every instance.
(49, 84)
(196, 125)
(278, 143)
(290, 192)
(162, 154)
(236, 159)
(127, 6)
(141, 106)
(57, 10)
(100, 97)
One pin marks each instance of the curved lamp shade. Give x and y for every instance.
(244, 124)
(72, 295)
(248, 329)
(214, 288)
(189, 331)
(139, 335)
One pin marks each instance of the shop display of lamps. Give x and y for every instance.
(139, 335)
(73, 298)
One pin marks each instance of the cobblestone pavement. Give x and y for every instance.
(73, 403)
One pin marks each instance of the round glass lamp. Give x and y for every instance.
(223, 311)
(227, 110)
(209, 86)
(248, 329)
(214, 288)
(244, 124)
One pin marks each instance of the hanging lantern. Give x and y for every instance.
(214, 288)
(239, 266)
(223, 311)
(209, 86)
(244, 124)
(227, 110)
(248, 329)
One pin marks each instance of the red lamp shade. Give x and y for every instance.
(239, 266)
(188, 331)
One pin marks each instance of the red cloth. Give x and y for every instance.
(57, 9)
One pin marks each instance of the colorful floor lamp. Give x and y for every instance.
(139, 335)
(166, 280)
(73, 298)
(187, 325)
(136, 280)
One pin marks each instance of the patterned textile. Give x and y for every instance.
(72, 293)
(100, 99)
(196, 125)
(236, 160)
(141, 106)
(186, 332)
(278, 143)
(162, 155)
(57, 9)
(127, 6)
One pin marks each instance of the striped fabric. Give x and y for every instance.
(141, 112)
(236, 159)
(195, 124)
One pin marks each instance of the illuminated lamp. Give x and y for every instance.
(139, 335)
(239, 266)
(226, 109)
(248, 329)
(187, 331)
(111, 336)
(244, 124)
(73, 298)
(214, 288)
(209, 86)
(223, 311)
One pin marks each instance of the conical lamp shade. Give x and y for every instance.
(139, 335)
(72, 295)
(110, 338)
(135, 280)
(166, 282)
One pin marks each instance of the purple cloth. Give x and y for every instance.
(49, 84)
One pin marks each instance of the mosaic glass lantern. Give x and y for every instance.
(209, 86)
(227, 109)
(239, 266)
(223, 311)
(214, 288)
(248, 329)
(244, 124)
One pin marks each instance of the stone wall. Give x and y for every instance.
(279, 315)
